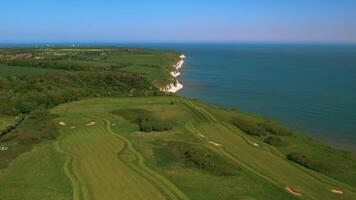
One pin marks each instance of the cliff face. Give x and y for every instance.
(176, 86)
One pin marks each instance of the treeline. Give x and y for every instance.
(21, 95)
(260, 127)
(44, 63)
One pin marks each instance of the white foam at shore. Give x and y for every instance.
(175, 87)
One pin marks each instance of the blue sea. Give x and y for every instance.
(308, 87)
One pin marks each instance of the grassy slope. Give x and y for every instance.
(20, 71)
(37, 174)
(6, 121)
(338, 164)
(263, 173)
(113, 160)
(155, 65)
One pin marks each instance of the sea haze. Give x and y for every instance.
(311, 88)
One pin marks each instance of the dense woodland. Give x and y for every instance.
(21, 95)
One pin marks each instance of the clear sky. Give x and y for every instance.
(177, 20)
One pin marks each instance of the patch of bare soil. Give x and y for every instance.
(336, 191)
(62, 123)
(90, 124)
(215, 144)
(293, 191)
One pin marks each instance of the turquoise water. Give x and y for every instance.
(311, 88)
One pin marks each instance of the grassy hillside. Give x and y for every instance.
(97, 127)
(154, 65)
(6, 121)
(202, 156)
(6, 71)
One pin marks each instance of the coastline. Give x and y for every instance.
(175, 87)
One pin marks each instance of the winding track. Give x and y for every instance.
(96, 172)
(111, 148)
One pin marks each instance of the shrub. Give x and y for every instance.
(145, 119)
(196, 156)
(304, 161)
(256, 126)
(275, 141)
(275, 128)
(249, 127)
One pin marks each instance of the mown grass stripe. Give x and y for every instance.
(157, 178)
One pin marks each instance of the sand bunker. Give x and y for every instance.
(73, 127)
(90, 124)
(201, 135)
(293, 191)
(62, 123)
(3, 148)
(255, 144)
(336, 191)
(215, 144)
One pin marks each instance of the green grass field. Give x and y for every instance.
(6, 121)
(76, 144)
(154, 65)
(22, 71)
(112, 159)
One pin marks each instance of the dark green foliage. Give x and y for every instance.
(49, 64)
(21, 95)
(195, 156)
(275, 141)
(260, 127)
(308, 163)
(249, 127)
(275, 128)
(145, 119)
(35, 128)
(41, 127)
(12, 126)
(152, 123)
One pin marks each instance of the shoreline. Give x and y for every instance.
(175, 87)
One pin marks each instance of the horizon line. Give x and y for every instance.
(61, 43)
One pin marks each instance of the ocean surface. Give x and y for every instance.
(311, 88)
(307, 87)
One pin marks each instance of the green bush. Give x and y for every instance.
(249, 127)
(256, 126)
(304, 161)
(195, 156)
(275, 128)
(145, 119)
(275, 141)
(37, 127)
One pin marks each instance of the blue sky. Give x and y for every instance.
(178, 20)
